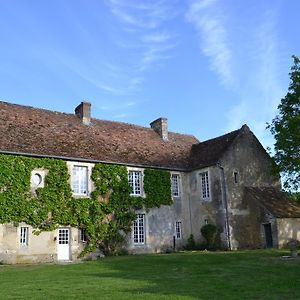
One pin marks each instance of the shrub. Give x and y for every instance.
(191, 244)
(209, 232)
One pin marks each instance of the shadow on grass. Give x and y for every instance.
(231, 275)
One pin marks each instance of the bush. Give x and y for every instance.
(191, 244)
(209, 232)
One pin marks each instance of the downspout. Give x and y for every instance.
(190, 213)
(189, 195)
(224, 193)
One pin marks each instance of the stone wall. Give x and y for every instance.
(160, 223)
(40, 248)
(252, 165)
(288, 229)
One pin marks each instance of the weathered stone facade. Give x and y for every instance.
(40, 248)
(220, 181)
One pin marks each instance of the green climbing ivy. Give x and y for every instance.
(106, 216)
(157, 186)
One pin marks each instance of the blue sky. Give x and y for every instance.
(209, 66)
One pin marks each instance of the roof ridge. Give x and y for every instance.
(95, 119)
(223, 135)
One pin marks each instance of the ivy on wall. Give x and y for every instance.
(106, 216)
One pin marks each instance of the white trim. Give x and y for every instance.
(178, 230)
(82, 235)
(38, 173)
(24, 234)
(89, 186)
(205, 188)
(139, 230)
(133, 185)
(64, 243)
(178, 194)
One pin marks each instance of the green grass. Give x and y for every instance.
(229, 275)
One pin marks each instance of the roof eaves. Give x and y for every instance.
(80, 159)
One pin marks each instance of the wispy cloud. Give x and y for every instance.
(113, 107)
(146, 15)
(262, 91)
(258, 89)
(156, 38)
(209, 23)
(144, 24)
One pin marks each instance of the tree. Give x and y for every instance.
(286, 130)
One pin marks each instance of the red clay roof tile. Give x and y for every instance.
(42, 132)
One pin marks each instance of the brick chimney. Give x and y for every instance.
(83, 111)
(160, 126)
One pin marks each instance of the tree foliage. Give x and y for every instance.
(286, 130)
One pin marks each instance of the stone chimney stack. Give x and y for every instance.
(83, 111)
(160, 126)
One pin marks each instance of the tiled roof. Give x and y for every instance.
(42, 132)
(275, 201)
(209, 152)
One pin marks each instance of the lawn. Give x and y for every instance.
(198, 275)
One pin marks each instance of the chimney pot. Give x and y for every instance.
(160, 126)
(83, 111)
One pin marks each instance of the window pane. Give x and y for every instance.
(139, 229)
(134, 179)
(204, 185)
(178, 229)
(80, 180)
(175, 185)
(24, 236)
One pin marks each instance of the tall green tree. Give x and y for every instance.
(286, 130)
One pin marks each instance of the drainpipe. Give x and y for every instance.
(225, 202)
(190, 213)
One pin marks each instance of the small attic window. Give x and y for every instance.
(37, 178)
(236, 177)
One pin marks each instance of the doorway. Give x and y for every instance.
(268, 235)
(63, 247)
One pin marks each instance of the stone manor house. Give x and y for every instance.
(226, 181)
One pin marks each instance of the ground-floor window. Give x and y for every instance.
(139, 229)
(82, 235)
(178, 233)
(24, 236)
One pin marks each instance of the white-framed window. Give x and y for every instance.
(178, 230)
(139, 230)
(82, 235)
(80, 180)
(205, 185)
(135, 182)
(24, 236)
(175, 185)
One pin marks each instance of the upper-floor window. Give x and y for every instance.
(205, 185)
(139, 229)
(135, 182)
(175, 185)
(178, 230)
(80, 180)
(24, 236)
(236, 177)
